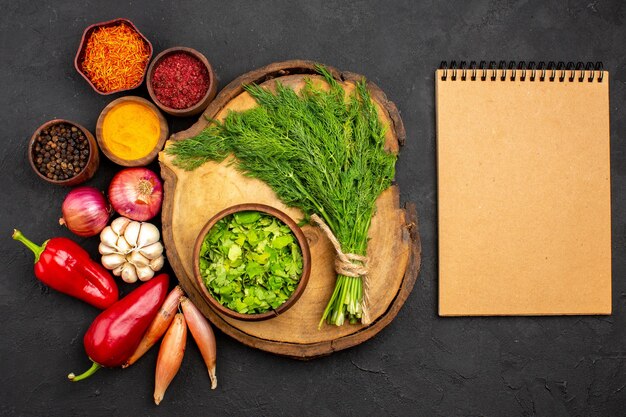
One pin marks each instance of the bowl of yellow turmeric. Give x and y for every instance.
(131, 131)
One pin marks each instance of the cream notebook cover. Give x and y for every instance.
(523, 190)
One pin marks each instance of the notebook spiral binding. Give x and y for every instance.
(548, 72)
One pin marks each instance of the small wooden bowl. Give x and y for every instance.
(80, 54)
(88, 170)
(302, 242)
(200, 105)
(132, 162)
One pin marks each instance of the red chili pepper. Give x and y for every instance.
(63, 265)
(115, 334)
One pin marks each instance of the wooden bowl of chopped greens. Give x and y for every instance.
(251, 262)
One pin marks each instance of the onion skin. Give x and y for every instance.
(203, 335)
(159, 325)
(136, 193)
(85, 211)
(170, 356)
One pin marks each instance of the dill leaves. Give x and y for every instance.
(320, 151)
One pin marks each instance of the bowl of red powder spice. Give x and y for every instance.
(113, 56)
(181, 81)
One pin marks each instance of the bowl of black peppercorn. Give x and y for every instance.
(62, 152)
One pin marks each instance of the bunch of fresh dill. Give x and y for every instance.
(320, 151)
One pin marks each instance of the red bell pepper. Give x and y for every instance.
(115, 334)
(63, 265)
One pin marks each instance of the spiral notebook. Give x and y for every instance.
(523, 189)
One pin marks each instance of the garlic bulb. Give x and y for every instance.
(131, 249)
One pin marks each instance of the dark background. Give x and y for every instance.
(419, 365)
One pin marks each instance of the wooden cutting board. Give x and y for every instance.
(192, 198)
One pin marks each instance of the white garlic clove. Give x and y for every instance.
(122, 245)
(144, 273)
(152, 251)
(157, 264)
(113, 260)
(148, 235)
(118, 271)
(108, 236)
(119, 225)
(138, 259)
(105, 249)
(131, 233)
(129, 273)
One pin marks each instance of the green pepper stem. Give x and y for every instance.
(17, 235)
(89, 372)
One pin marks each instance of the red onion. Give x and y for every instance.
(136, 193)
(85, 211)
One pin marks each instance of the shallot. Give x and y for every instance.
(170, 356)
(158, 326)
(203, 335)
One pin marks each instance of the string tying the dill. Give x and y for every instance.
(348, 264)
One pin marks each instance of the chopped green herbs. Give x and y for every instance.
(320, 151)
(250, 262)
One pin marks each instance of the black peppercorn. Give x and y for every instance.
(61, 151)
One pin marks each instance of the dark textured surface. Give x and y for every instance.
(421, 364)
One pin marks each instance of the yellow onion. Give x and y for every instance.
(85, 211)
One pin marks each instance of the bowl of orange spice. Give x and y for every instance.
(131, 131)
(113, 56)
